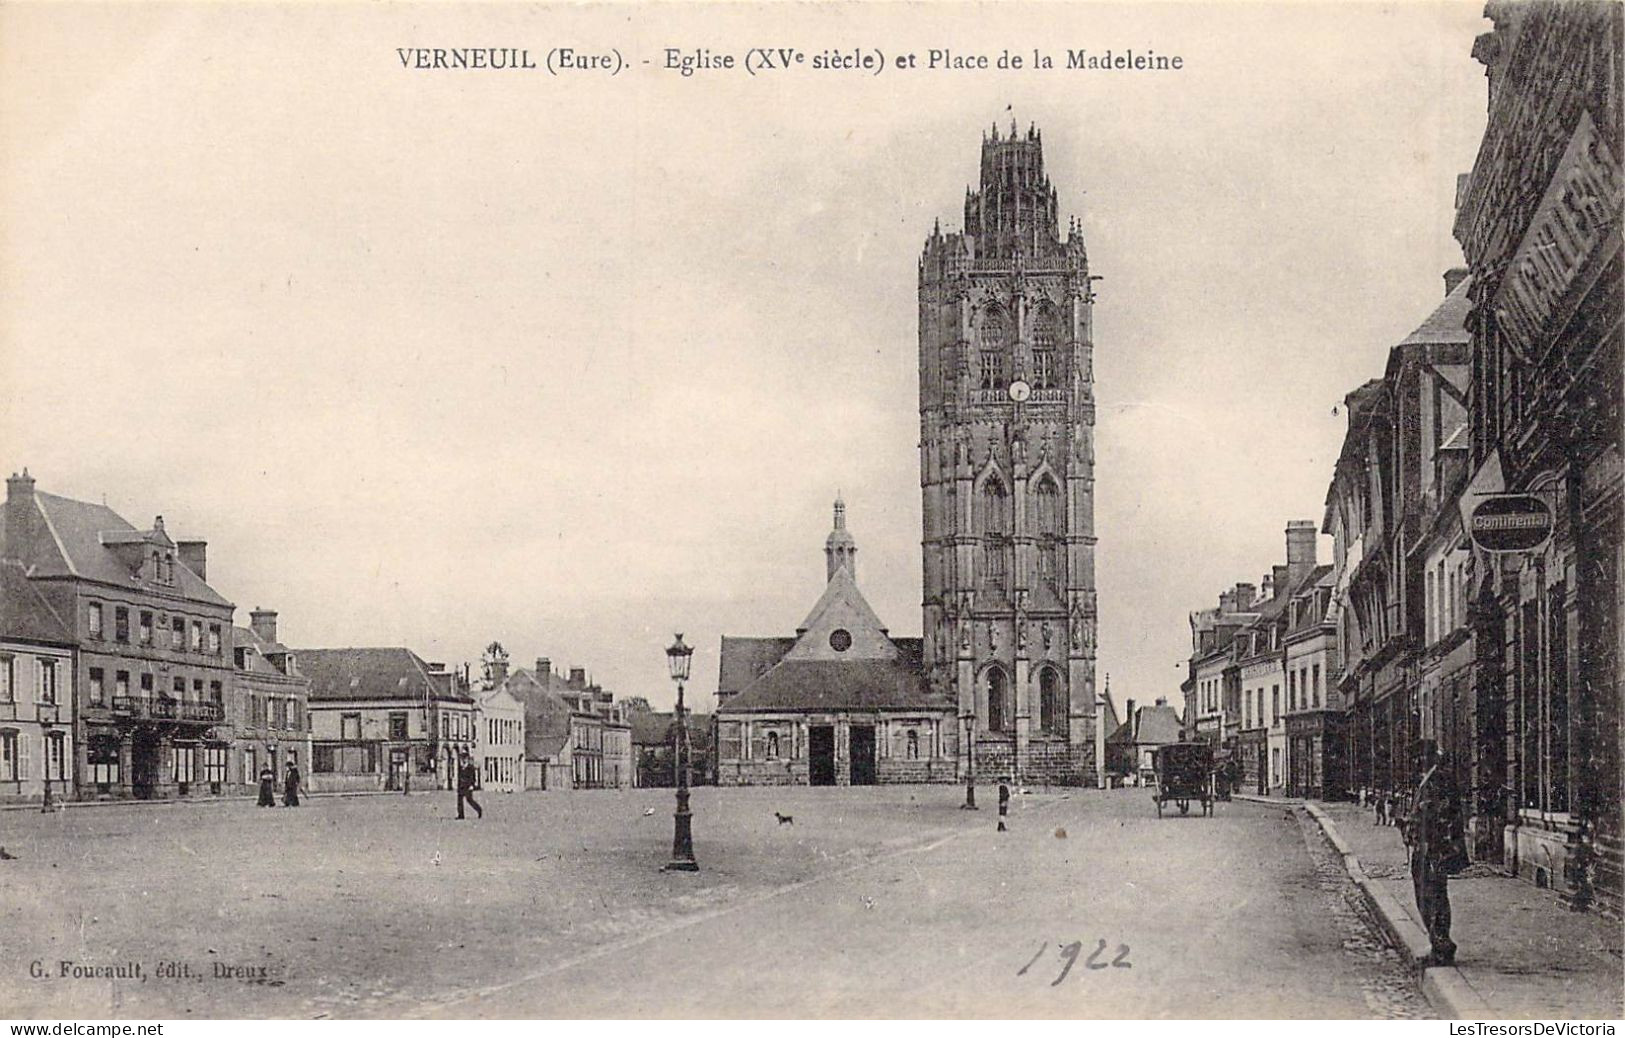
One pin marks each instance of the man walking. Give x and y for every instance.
(466, 778)
(1438, 848)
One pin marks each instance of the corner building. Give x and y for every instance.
(1007, 418)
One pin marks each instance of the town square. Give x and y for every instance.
(699, 533)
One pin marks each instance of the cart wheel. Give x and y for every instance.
(1184, 807)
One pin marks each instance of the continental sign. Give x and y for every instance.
(1511, 522)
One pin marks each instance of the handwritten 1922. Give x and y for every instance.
(1069, 955)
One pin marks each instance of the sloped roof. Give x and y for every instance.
(842, 607)
(25, 613)
(743, 660)
(547, 715)
(1448, 322)
(247, 636)
(837, 685)
(653, 728)
(71, 543)
(1158, 725)
(358, 674)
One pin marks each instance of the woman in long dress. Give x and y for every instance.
(290, 787)
(267, 787)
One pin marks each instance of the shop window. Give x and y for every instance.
(102, 757)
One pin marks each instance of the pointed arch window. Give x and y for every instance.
(1046, 337)
(993, 341)
(1048, 521)
(998, 690)
(993, 521)
(1047, 506)
(1051, 712)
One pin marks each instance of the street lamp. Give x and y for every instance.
(47, 805)
(679, 656)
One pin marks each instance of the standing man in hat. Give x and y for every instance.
(1434, 831)
(466, 779)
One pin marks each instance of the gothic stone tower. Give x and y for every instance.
(1007, 417)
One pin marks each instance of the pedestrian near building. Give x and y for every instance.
(267, 787)
(1004, 803)
(467, 776)
(1434, 832)
(290, 787)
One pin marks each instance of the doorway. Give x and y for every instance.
(863, 754)
(821, 755)
(144, 764)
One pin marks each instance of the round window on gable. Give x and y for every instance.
(840, 639)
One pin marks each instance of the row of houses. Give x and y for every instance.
(1475, 509)
(123, 675)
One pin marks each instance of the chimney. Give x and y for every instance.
(1300, 551)
(261, 621)
(1227, 602)
(1453, 277)
(1162, 700)
(1278, 578)
(195, 557)
(578, 677)
(1245, 597)
(1266, 588)
(1133, 722)
(22, 516)
(544, 669)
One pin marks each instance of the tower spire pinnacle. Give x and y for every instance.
(840, 549)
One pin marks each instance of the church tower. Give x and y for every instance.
(1007, 414)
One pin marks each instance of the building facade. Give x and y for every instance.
(36, 692)
(1539, 225)
(1316, 738)
(840, 703)
(268, 709)
(1007, 415)
(155, 645)
(383, 718)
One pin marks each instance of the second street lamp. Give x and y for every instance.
(679, 656)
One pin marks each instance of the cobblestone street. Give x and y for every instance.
(880, 902)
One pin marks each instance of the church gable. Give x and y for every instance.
(842, 626)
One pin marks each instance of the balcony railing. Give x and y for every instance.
(146, 709)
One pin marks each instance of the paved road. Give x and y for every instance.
(1088, 907)
(874, 903)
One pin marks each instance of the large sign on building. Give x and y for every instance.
(1511, 522)
(1579, 212)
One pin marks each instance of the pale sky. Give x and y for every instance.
(436, 358)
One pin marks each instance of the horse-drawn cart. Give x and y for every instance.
(1184, 774)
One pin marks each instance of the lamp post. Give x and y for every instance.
(970, 764)
(47, 805)
(679, 656)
